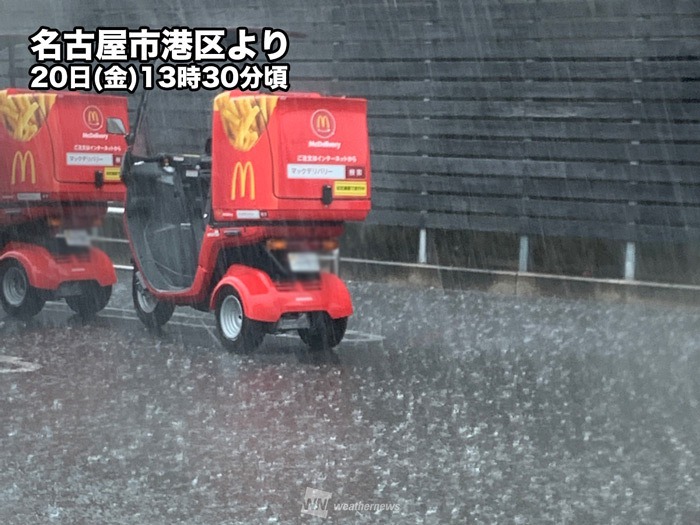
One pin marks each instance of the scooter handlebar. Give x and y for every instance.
(135, 158)
(142, 166)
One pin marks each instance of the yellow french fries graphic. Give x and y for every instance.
(244, 118)
(22, 115)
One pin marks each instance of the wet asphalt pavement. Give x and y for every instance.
(458, 407)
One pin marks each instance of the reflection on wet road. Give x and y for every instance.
(456, 406)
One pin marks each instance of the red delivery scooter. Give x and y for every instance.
(60, 162)
(239, 231)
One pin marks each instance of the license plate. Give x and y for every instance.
(77, 237)
(304, 262)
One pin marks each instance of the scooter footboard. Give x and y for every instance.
(266, 300)
(46, 270)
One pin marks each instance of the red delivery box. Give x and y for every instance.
(60, 147)
(294, 157)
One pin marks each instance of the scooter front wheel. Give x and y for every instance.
(324, 332)
(93, 300)
(152, 312)
(19, 298)
(238, 333)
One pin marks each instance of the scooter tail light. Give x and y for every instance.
(277, 244)
(329, 245)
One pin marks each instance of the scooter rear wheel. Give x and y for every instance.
(152, 312)
(324, 332)
(93, 300)
(19, 298)
(238, 333)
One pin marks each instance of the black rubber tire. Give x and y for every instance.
(156, 318)
(251, 333)
(32, 302)
(325, 332)
(93, 300)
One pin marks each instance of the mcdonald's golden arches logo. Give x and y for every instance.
(24, 161)
(92, 116)
(242, 174)
(323, 123)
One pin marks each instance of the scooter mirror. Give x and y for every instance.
(115, 126)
